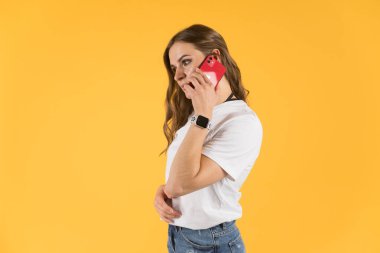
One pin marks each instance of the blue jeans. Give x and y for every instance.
(222, 238)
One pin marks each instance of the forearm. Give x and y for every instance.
(186, 163)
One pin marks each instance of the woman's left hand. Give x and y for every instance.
(203, 96)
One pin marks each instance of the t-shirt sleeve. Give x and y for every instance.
(236, 145)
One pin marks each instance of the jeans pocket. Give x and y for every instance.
(237, 245)
(171, 242)
(198, 239)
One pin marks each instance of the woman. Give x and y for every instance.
(207, 161)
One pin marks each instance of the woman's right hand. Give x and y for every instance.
(163, 205)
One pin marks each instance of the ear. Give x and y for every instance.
(216, 53)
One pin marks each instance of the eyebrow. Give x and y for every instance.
(180, 59)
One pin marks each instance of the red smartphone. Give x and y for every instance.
(213, 69)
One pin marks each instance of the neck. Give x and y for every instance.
(223, 90)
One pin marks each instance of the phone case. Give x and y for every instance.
(213, 69)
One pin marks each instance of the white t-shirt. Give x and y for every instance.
(234, 142)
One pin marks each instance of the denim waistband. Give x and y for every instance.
(217, 229)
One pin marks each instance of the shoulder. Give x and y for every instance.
(245, 119)
(236, 128)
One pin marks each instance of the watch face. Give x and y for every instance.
(202, 121)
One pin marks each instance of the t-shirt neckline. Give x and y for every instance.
(228, 103)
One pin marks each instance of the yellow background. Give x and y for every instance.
(82, 88)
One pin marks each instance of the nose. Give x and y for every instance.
(179, 75)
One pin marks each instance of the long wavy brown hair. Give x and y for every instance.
(177, 106)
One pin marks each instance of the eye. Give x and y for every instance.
(186, 61)
(183, 61)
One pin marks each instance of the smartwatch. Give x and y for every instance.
(201, 121)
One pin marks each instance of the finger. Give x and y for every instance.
(161, 201)
(198, 77)
(171, 209)
(195, 82)
(203, 75)
(166, 219)
(164, 213)
(166, 208)
(189, 90)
